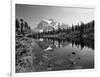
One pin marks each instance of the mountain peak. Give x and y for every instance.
(50, 24)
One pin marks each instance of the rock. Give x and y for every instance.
(79, 58)
(73, 53)
(73, 63)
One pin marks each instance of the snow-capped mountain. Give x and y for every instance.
(50, 24)
(64, 26)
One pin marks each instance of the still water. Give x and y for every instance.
(52, 54)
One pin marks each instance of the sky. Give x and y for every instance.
(34, 14)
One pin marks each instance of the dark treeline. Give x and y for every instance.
(83, 27)
(22, 26)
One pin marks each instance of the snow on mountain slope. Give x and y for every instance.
(50, 24)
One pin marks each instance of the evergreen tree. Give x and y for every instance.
(17, 25)
(22, 24)
(72, 28)
(26, 26)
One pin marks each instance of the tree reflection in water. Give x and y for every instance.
(78, 42)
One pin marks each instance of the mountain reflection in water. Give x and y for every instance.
(79, 43)
(63, 54)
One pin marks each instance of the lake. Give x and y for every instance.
(53, 54)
